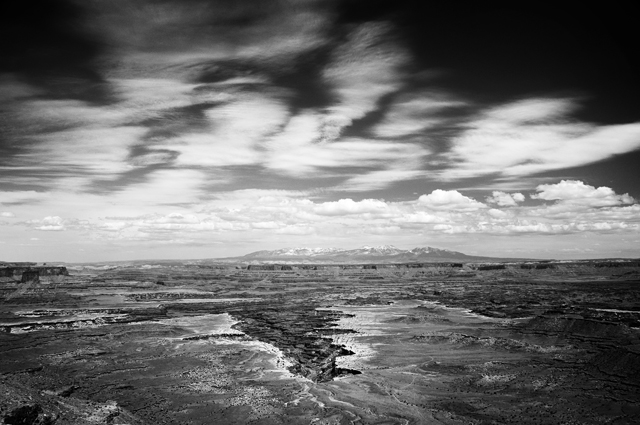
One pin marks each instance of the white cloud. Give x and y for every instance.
(295, 151)
(281, 216)
(38, 115)
(145, 97)
(93, 151)
(499, 214)
(534, 136)
(504, 199)
(536, 110)
(576, 192)
(449, 200)
(49, 223)
(7, 214)
(237, 131)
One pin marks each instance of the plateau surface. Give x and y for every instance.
(449, 342)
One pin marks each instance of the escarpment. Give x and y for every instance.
(27, 274)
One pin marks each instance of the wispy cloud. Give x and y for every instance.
(365, 68)
(534, 136)
(297, 150)
(413, 113)
(236, 132)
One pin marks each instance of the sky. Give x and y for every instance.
(178, 129)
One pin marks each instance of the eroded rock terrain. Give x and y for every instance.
(451, 343)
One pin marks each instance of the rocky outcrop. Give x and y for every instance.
(28, 414)
(27, 406)
(30, 276)
(580, 329)
(268, 267)
(45, 274)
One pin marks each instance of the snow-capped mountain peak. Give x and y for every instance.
(299, 251)
(381, 253)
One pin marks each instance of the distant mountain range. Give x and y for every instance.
(373, 254)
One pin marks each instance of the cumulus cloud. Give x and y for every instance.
(349, 206)
(449, 200)
(504, 199)
(268, 214)
(49, 223)
(499, 214)
(534, 136)
(576, 192)
(7, 214)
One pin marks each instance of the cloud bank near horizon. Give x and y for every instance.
(284, 217)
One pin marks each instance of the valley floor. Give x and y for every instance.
(193, 344)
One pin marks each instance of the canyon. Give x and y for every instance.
(258, 340)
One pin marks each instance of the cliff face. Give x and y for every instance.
(44, 274)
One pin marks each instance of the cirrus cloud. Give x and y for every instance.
(534, 136)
